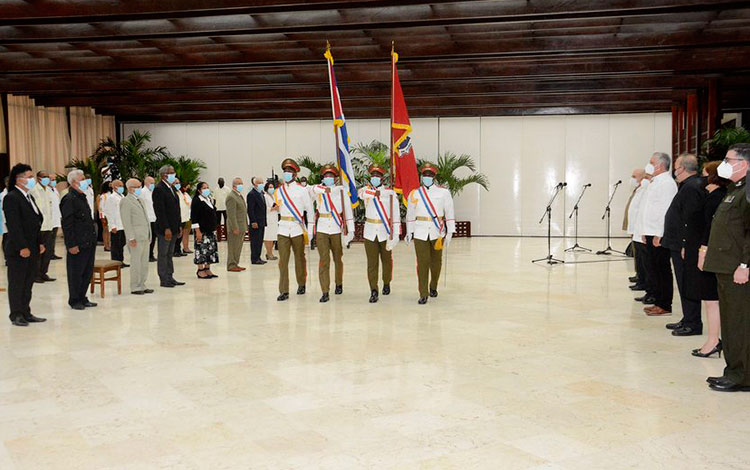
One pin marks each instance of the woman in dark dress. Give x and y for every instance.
(205, 221)
(716, 189)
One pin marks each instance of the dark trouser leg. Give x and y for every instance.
(19, 270)
(436, 265)
(735, 328)
(285, 248)
(386, 259)
(165, 251)
(46, 257)
(665, 282)
(337, 252)
(256, 243)
(80, 267)
(300, 261)
(153, 240)
(649, 267)
(691, 309)
(372, 250)
(640, 267)
(324, 266)
(422, 250)
(234, 249)
(54, 239)
(178, 242)
(117, 248)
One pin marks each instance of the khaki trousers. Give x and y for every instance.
(286, 245)
(234, 248)
(138, 265)
(373, 250)
(330, 245)
(429, 263)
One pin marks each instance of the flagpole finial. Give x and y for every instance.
(327, 54)
(328, 45)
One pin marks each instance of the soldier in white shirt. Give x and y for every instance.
(640, 182)
(220, 194)
(382, 229)
(111, 212)
(146, 196)
(335, 221)
(295, 231)
(430, 222)
(44, 203)
(656, 200)
(56, 214)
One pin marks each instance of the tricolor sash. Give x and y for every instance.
(382, 214)
(331, 208)
(293, 209)
(433, 215)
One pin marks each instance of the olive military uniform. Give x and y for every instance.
(728, 247)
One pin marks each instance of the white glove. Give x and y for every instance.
(447, 240)
(408, 237)
(346, 239)
(390, 244)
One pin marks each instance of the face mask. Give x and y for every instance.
(137, 191)
(171, 177)
(633, 182)
(725, 170)
(427, 181)
(151, 187)
(120, 189)
(288, 176)
(328, 181)
(259, 188)
(177, 186)
(84, 185)
(88, 181)
(239, 188)
(271, 191)
(645, 183)
(205, 192)
(650, 169)
(375, 181)
(53, 184)
(30, 183)
(45, 181)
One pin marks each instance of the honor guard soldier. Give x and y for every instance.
(382, 229)
(335, 221)
(728, 255)
(431, 223)
(293, 235)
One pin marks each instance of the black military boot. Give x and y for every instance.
(386, 289)
(373, 296)
(422, 300)
(283, 297)
(301, 290)
(433, 292)
(339, 290)
(324, 298)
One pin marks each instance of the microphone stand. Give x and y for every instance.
(607, 213)
(548, 214)
(578, 247)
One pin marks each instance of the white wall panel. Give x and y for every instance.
(303, 138)
(202, 142)
(268, 147)
(463, 135)
(234, 150)
(500, 207)
(424, 134)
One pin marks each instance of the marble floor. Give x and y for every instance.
(513, 366)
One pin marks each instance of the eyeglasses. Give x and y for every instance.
(728, 160)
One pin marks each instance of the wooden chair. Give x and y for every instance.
(98, 277)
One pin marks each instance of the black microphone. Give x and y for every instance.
(619, 182)
(563, 184)
(587, 185)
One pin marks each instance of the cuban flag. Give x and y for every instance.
(343, 158)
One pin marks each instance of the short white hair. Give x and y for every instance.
(73, 176)
(664, 159)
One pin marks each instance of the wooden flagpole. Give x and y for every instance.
(390, 138)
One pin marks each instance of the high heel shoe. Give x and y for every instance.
(198, 274)
(717, 349)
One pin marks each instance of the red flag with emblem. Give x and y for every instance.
(404, 174)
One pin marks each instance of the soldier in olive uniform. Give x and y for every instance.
(728, 255)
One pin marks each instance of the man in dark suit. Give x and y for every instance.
(167, 210)
(24, 246)
(256, 213)
(683, 228)
(79, 231)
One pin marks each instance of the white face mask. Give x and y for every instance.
(650, 169)
(633, 182)
(725, 170)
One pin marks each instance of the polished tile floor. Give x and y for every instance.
(514, 366)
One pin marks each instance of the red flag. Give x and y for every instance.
(403, 163)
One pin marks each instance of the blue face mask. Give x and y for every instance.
(205, 192)
(177, 186)
(137, 191)
(427, 181)
(30, 183)
(45, 181)
(240, 188)
(259, 188)
(171, 177)
(120, 189)
(53, 184)
(375, 181)
(271, 190)
(328, 181)
(288, 176)
(151, 187)
(84, 185)
(88, 181)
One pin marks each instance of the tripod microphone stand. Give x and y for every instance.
(548, 214)
(578, 247)
(607, 213)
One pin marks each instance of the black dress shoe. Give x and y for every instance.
(301, 290)
(258, 262)
(713, 380)
(56, 257)
(78, 307)
(637, 287)
(19, 322)
(39, 280)
(717, 349)
(138, 292)
(148, 291)
(633, 279)
(123, 265)
(433, 292)
(47, 278)
(646, 299)
(177, 283)
(90, 304)
(674, 326)
(283, 297)
(727, 386)
(324, 298)
(386, 289)
(422, 300)
(152, 260)
(339, 290)
(166, 284)
(687, 331)
(33, 319)
(373, 296)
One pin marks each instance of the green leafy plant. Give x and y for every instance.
(188, 170)
(448, 164)
(131, 156)
(364, 155)
(716, 147)
(306, 162)
(93, 166)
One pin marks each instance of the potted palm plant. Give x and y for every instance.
(716, 147)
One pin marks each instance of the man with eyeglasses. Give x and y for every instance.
(728, 256)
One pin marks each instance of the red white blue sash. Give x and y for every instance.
(331, 208)
(380, 208)
(290, 205)
(430, 209)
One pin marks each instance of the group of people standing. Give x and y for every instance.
(696, 221)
